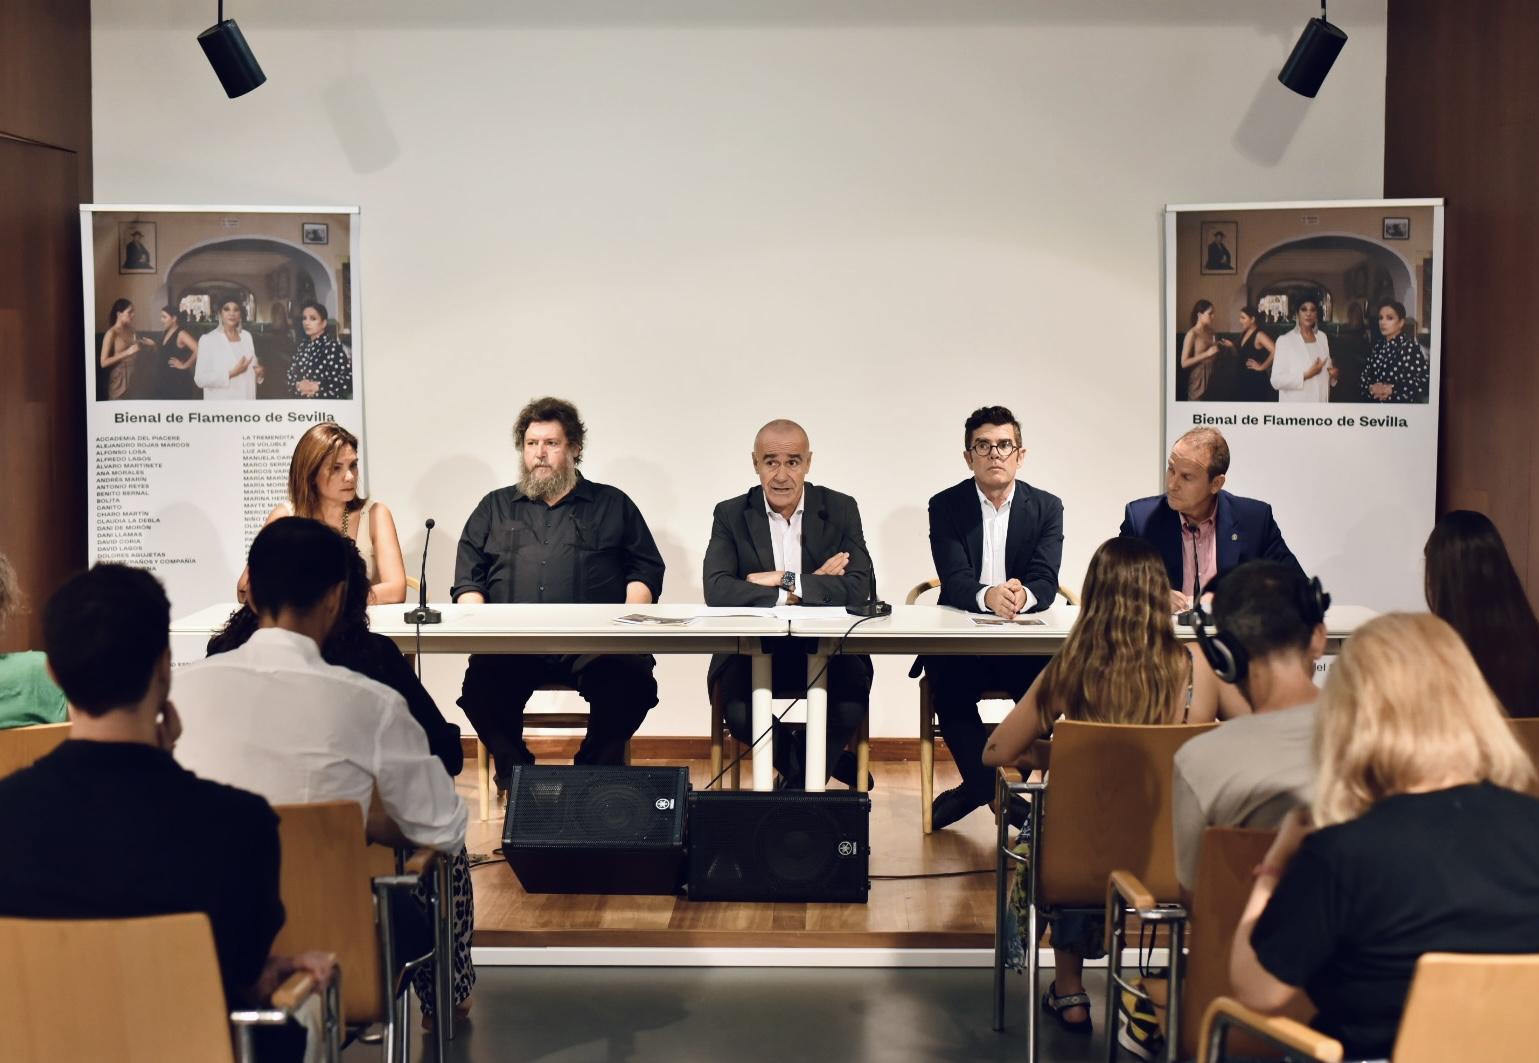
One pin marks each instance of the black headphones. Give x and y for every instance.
(1224, 652)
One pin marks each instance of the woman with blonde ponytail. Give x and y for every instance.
(1121, 663)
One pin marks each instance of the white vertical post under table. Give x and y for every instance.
(763, 716)
(816, 757)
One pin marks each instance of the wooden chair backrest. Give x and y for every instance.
(134, 990)
(1108, 808)
(329, 900)
(20, 747)
(1224, 880)
(1469, 1007)
(1526, 731)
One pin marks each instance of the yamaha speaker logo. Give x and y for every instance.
(848, 848)
(663, 804)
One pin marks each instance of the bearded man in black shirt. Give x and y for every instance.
(556, 537)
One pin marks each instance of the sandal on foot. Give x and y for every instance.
(1056, 1005)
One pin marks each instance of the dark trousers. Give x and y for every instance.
(957, 684)
(619, 689)
(849, 696)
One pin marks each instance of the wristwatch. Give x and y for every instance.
(788, 581)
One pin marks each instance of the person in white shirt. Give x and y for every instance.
(997, 542)
(227, 366)
(1301, 368)
(274, 718)
(788, 542)
(1255, 769)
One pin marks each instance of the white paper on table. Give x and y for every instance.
(733, 610)
(811, 612)
(647, 619)
(999, 621)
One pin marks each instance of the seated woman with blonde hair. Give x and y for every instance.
(323, 485)
(1423, 840)
(1122, 663)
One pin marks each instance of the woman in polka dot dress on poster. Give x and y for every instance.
(322, 368)
(1397, 370)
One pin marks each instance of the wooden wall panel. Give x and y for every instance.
(1462, 122)
(45, 173)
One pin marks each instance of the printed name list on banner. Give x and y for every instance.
(215, 339)
(1309, 334)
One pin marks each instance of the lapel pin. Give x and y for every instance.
(1234, 537)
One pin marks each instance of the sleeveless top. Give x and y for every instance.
(364, 541)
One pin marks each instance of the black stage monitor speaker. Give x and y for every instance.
(590, 829)
(785, 846)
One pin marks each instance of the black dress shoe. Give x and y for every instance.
(950, 806)
(844, 771)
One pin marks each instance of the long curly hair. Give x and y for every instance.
(1122, 662)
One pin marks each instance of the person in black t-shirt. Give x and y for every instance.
(110, 826)
(556, 537)
(1424, 842)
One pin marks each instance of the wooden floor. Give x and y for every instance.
(953, 912)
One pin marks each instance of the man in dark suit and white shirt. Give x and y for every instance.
(997, 543)
(788, 542)
(1197, 519)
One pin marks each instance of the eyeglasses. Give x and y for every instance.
(983, 447)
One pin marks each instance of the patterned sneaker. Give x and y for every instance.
(1138, 1030)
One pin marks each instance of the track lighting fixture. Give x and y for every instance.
(1312, 56)
(230, 56)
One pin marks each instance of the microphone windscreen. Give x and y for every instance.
(430, 524)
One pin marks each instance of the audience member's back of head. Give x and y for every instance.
(1470, 582)
(294, 562)
(1261, 603)
(1405, 708)
(1121, 663)
(105, 632)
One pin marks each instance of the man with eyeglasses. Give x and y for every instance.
(788, 542)
(556, 537)
(997, 543)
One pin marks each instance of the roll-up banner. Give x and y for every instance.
(1310, 335)
(215, 338)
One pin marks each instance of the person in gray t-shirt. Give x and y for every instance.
(1252, 770)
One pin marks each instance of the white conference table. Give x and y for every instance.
(911, 629)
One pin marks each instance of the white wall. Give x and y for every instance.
(690, 216)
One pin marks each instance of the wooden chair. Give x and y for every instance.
(1108, 796)
(722, 740)
(1460, 1007)
(561, 721)
(1223, 886)
(20, 747)
(336, 904)
(927, 721)
(133, 990)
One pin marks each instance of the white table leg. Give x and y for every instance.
(816, 757)
(763, 715)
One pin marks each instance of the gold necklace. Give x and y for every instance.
(345, 516)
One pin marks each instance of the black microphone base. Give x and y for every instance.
(424, 615)
(869, 609)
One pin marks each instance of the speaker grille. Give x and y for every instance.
(585, 829)
(779, 846)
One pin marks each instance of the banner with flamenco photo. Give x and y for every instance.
(1310, 335)
(215, 337)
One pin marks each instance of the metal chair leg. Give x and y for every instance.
(926, 754)
(443, 959)
(1001, 897)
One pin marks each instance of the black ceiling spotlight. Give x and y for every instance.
(1312, 56)
(230, 56)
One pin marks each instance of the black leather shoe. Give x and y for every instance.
(844, 771)
(950, 806)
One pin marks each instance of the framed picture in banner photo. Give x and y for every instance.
(314, 232)
(1220, 246)
(136, 247)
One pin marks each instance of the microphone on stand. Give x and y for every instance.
(872, 606)
(1189, 617)
(422, 614)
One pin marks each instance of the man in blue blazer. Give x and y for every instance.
(997, 543)
(1197, 520)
